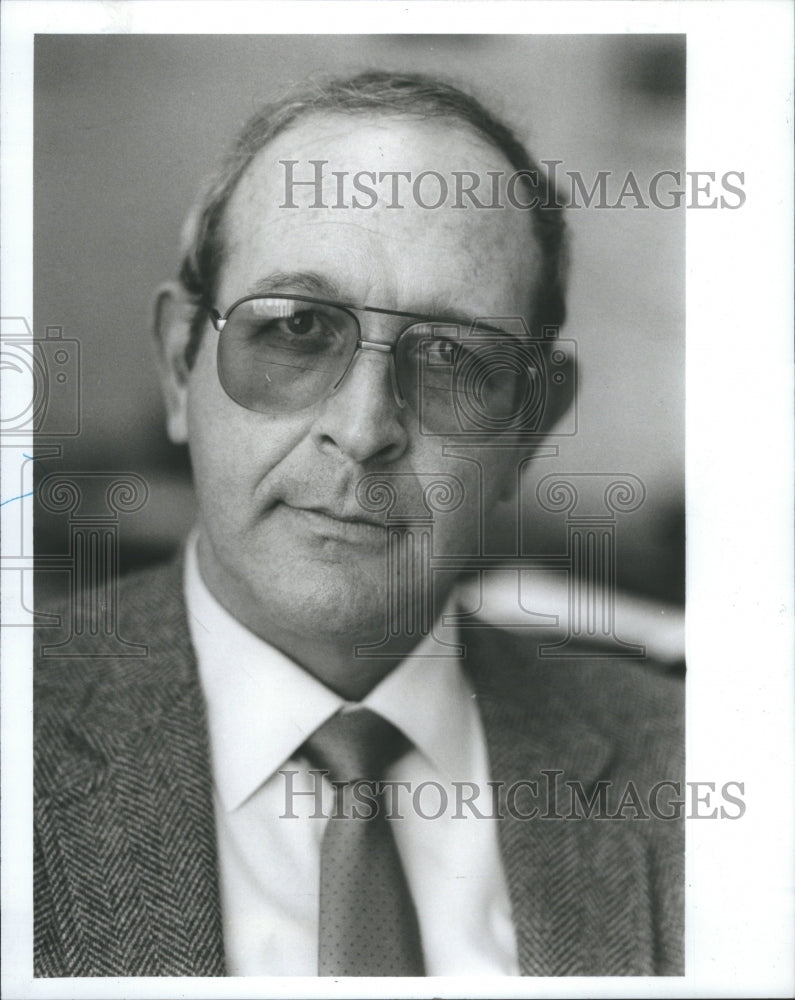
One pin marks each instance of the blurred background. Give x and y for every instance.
(126, 129)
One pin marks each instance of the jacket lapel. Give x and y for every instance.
(579, 888)
(125, 827)
(125, 822)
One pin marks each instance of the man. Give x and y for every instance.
(230, 804)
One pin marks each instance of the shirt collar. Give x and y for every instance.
(261, 705)
(430, 699)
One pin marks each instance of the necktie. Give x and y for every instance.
(368, 925)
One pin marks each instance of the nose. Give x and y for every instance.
(362, 419)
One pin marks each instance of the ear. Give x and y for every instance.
(173, 312)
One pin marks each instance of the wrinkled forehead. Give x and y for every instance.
(381, 204)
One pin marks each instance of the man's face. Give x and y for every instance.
(283, 543)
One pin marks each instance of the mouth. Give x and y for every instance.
(328, 523)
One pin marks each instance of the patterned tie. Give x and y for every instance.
(368, 925)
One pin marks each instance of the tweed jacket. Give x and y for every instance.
(125, 871)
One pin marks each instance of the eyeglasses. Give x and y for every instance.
(283, 353)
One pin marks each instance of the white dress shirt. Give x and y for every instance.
(261, 707)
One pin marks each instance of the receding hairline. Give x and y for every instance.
(226, 226)
(379, 95)
(448, 118)
(368, 116)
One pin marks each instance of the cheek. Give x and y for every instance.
(232, 449)
(213, 427)
(479, 476)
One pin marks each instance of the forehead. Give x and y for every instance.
(397, 252)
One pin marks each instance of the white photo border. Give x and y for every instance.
(740, 704)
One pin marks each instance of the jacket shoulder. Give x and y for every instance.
(636, 706)
(118, 674)
(107, 629)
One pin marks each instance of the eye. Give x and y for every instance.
(441, 352)
(301, 323)
(424, 344)
(305, 329)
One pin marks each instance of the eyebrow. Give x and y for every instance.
(312, 283)
(299, 281)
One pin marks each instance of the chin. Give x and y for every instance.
(328, 599)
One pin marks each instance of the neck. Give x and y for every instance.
(337, 665)
(337, 657)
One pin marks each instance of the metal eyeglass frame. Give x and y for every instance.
(219, 321)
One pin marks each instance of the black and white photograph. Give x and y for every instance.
(353, 515)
